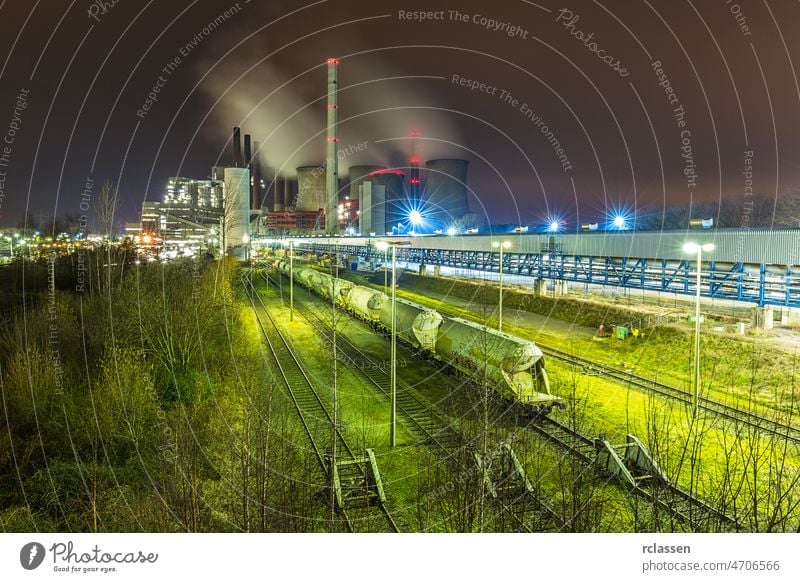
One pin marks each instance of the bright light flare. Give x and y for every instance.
(693, 248)
(415, 217)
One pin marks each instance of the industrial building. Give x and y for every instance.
(188, 217)
(294, 222)
(746, 265)
(204, 214)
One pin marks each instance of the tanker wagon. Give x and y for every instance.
(514, 367)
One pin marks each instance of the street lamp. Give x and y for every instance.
(694, 248)
(385, 260)
(384, 246)
(291, 279)
(501, 245)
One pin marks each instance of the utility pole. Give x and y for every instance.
(501, 245)
(693, 248)
(383, 245)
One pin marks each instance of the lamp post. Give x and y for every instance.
(383, 245)
(291, 280)
(501, 245)
(694, 248)
(385, 271)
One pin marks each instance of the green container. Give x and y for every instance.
(621, 332)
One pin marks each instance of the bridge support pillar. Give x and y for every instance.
(437, 271)
(539, 287)
(560, 288)
(762, 317)
(423, 270)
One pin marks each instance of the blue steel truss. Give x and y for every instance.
(738, 281)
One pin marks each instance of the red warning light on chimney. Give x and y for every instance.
(385, 172)
(333, 61)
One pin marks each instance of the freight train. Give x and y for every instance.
(513, 367)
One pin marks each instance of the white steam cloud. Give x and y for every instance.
(287, 115)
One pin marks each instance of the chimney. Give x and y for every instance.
(256, 200)
(332, 161)
(248, 151)
(277, 193)
(237, 148)
(287, 194)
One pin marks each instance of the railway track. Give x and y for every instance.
(423, 420)
(676, 503)
(316, 421)
(421, 417)
(724, 411)
(719, 409)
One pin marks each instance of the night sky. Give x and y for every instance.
(585, 106)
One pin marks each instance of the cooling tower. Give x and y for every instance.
(445, 198)
(311, 189)
(357, 175)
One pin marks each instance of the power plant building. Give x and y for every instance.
(196, 214)
(394, 197)
(372, 207)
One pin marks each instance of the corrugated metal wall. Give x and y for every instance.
(770, 247)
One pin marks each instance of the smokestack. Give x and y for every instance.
(278, 187)
(332, 178)
(248, 151)
(255, 171)
(287, 194)
(237, 148)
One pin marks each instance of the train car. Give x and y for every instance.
(366, 303)
(417, 325)
(306, 277)
(514, 367)
(328, 287)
